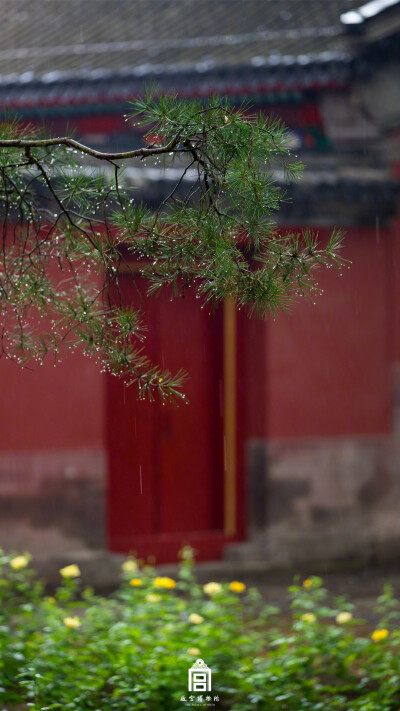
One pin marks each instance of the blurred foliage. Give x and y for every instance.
(132, 650)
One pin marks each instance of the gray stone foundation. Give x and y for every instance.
(52, 502)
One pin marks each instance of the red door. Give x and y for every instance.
(166, 462)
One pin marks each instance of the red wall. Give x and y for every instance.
(51, 407)
(395, 282)
(322, 370)
(328, 364)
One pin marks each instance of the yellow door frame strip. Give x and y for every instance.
(230, 405)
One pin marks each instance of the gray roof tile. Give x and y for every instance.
(38, 37)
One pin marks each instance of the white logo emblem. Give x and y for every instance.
(199, 676)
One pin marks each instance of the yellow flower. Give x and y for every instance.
(194, 652)
(212, 588)
(343, 617)
(70, 571)
(51, 600)
(129, 566)
(378, 635)
(164, 583)
(20, 561)
(307, 583)
(308, 617)
(72, 622)
(195, 619)
(135, 582)
(153, 597)
(237, 587)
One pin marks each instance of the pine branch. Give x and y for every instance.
(68, 226)
(86, 150)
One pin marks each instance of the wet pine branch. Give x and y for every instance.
(70, 221)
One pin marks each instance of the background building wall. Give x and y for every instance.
(52, 459)
(320, 390)
(324, 480)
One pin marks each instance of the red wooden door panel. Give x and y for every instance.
(166, 462)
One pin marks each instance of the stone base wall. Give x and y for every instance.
(331, 501)
(52, 502)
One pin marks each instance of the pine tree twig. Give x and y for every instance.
(82, 148)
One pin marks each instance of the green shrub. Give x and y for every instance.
(132, 650)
